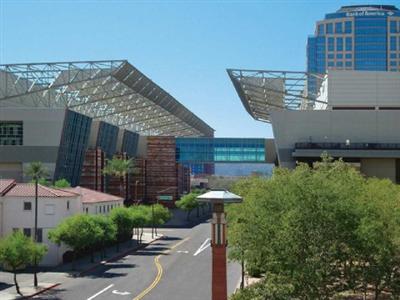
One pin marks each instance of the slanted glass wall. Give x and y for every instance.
(199, 152)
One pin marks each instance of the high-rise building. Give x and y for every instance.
(356, 37)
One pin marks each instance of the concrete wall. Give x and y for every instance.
(42, 129)
(336, 126)
(14, 216)
(363, 88)
(381, 168)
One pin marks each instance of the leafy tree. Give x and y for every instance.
(80, 232)
(324, 230)
(119, 168)
(18, 251)
(122, 218)
(37, 171)
(141, 217)
(109, 231)
(188, 202)
(42, 181)
(62, 183)
(160, 215)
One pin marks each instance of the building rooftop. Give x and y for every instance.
(350, 8)
(112, 91)
(6, 185)
(28, 190)
(92, 196)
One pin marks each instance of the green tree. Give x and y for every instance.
(122, 218)
(79, 232)
(37, 171)
(109, 231)
(62, 183)
(188, 203)
(119, 168)
(324, 230)
(160, 215)
(18, 251)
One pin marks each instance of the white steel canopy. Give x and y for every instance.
(263, 90)
(112, 91)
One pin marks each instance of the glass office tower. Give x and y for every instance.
(357, 37)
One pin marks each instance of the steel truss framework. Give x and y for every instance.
(263, 90)
(112, 91)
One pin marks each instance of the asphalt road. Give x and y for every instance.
(174, 268)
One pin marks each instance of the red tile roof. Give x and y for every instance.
(28, 190)
(92, 196)
(5, 185)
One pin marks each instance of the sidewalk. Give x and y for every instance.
(51, 277)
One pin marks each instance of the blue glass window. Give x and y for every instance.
(339, 44)
(339, 55)
(321, 30)
(393, 26)
(330, 64)
(339, 27)
(339, 64)
(331, 44)
(347, 27)
(331, 56)
(348, 64)
(392, 55)
(349, 44)
(349, 55)
(329, 28)
(393, 43)
(393, 63)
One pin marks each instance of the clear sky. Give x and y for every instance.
(184, 46)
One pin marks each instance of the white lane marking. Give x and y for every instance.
(102, 291)
(183, 251)
(120, 293)
(203, 247)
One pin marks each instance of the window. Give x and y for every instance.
(349, 44)
(27, 232)
(347, 27)
(321, 29)
(393, 26)
(40, 235)
(49, 209)
(392, 55)
(331, 44)
(393, 63)
(330, 56)
(330, 64)
(348, 64)
(87, 210)
(393, 46)
(339, 44)
(67, 205)
(329, 28)
(338, 27)
(27, 205)
(349, 55)
(11, 133)
(339, 55)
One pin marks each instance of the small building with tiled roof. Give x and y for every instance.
(17, 210)
(95, 202)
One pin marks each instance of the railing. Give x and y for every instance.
(349, 146)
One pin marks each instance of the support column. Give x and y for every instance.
(218, 245)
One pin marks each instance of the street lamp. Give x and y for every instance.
(218, 239)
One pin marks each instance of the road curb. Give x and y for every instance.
(41, 291)
(116, 257)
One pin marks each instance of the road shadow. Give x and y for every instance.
(179, 219)
(4, 286)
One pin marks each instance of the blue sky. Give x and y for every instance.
(184, 46)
